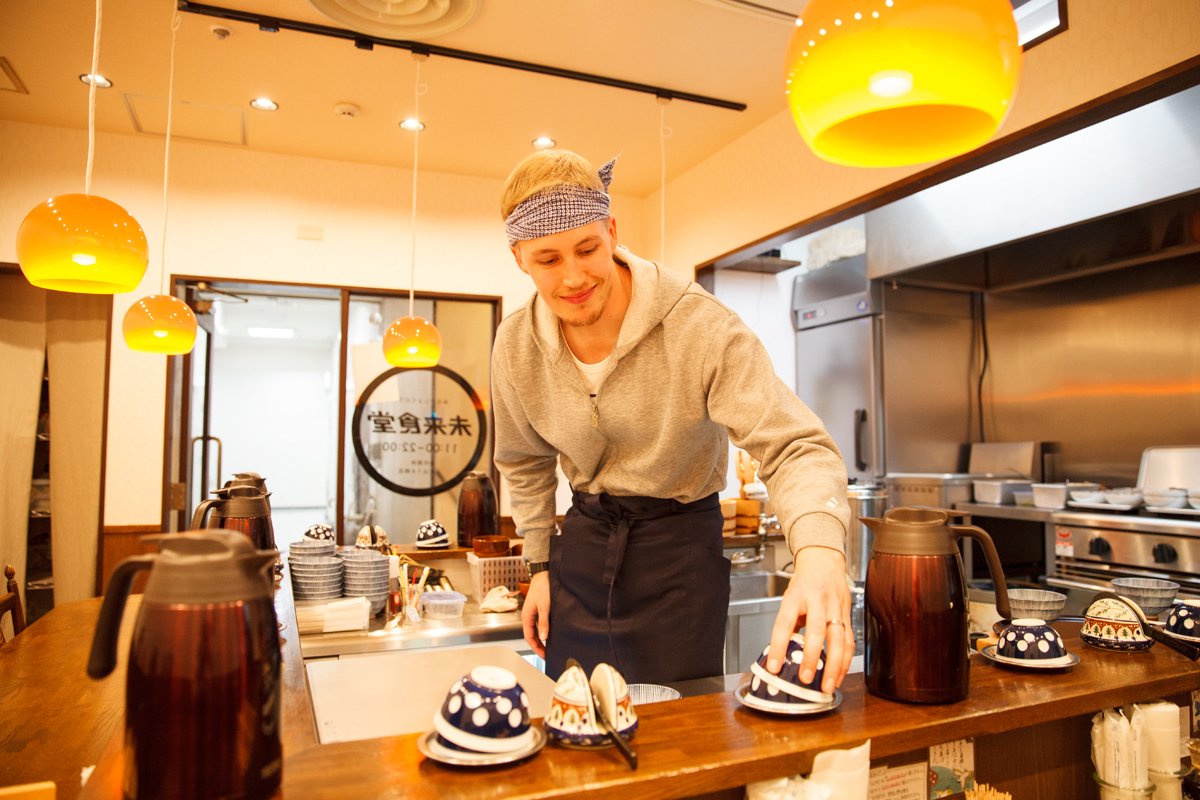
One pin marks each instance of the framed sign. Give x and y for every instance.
(419, 431)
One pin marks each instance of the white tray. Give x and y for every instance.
(1190, 512)
(1104, 506)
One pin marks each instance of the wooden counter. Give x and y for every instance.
(1031, 730)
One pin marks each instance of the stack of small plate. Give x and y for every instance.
(311, 548)
(316, 577)
(367, 576)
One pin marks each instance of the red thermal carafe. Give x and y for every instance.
(202, 692)
(916, 605)
(478, 514)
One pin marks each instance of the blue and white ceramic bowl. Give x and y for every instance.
(431, 534)
(321, 532)
(786, 687)
(1184, 619)
(1030, 639)
(572, 719)
(485, 711)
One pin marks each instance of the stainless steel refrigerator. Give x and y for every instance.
(888, 368)
(839, 366)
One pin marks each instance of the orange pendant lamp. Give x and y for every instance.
(80, 242)
(884, 83)
(413, 341)
(161, 323)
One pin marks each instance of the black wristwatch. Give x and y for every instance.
(538, 566)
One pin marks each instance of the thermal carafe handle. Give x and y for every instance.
(860, 423)
(103, 657)
(993, 562)
(202, 512)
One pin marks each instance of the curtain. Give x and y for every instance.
(77, 353)
(22, 358)
(70, 334)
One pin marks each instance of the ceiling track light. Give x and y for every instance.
(275, 24)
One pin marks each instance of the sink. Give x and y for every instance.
(758, 585)
(754, 597)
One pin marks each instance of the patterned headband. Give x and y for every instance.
(558, 209)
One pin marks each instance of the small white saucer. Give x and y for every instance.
(431, 748)
(1069, 660)
(742, 693)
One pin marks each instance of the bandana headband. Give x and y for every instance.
(558, 209)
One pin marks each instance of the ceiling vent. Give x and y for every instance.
(400, 19)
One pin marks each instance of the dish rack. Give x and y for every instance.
(487, 573)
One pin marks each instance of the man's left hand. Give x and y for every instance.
(818, 599)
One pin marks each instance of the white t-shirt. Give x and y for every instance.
(593, 374)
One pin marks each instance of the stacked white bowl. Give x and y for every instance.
(316, 570)
(366, 575)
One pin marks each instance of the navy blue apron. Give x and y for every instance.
(640, 583)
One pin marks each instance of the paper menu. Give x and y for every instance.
(910, 782)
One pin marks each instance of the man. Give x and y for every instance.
(634, 380)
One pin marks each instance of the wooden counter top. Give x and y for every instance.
(56, 720)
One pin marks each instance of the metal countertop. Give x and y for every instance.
(473, 627)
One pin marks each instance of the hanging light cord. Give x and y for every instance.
(412, 274)
(664, 133)
(87, 180)
(176, 21)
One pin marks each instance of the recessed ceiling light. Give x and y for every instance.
(412, 124)
(264, 104)
(98, 79)
(544, 143)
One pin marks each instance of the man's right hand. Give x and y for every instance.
(535, 615)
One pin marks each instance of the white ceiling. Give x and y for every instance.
(480, 118)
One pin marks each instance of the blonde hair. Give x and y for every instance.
(544, 170)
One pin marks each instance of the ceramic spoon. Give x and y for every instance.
(616, 738)
(1189, 650)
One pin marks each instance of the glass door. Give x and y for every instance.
(284, 380)
(413, 435)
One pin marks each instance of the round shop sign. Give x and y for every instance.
(419, 431)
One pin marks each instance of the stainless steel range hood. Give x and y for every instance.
(1140, 157)
(769, 262)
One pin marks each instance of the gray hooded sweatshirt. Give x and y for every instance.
(688, 376)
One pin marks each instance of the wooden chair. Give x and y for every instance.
(10, 602)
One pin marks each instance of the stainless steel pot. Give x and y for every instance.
(866, 500)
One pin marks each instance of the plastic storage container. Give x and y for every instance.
(443, 605)
(998, 492)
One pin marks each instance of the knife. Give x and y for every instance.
(617, 739)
